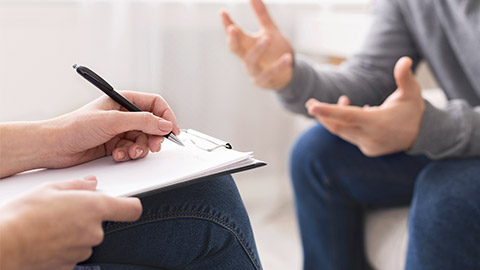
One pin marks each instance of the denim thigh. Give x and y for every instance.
(444, 224)
(200, 226)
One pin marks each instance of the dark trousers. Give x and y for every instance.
(335, 184)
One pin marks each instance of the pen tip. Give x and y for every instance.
(75, 66)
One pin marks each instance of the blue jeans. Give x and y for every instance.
(335, 184)
(199, 226)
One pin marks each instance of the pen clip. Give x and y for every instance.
(203, 141)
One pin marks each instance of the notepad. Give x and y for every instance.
(201, 158)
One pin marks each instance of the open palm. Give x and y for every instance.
(267, 54)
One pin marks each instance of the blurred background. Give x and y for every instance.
(178, 49)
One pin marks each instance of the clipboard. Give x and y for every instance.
(203, 157)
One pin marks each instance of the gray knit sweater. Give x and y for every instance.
(446, 34)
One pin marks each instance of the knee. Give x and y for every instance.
(216, 195)
(313, 146)
(316, 153)
(446, 194)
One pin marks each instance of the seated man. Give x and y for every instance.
(55, 225)
(382, 145)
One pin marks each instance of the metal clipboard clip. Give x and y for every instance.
(203, 141)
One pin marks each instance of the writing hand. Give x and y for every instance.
(389, 128)
(102, 128)
(267, 55)
(55, 225)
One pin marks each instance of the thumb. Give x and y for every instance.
(343, 101)
(120, 122)
(89, 183)
(404, 77)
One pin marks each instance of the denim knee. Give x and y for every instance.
(444, 217)
(204, 225)
(312, 153)
(444, 193)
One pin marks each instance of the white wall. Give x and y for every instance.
(174, 48)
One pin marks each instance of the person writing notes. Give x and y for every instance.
(378, 143)
(55, 225)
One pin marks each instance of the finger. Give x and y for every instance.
(155, 143)
(252, 57)
(262, 14)
(81, 254)
(234, 40)
(267, 77)
(90, 178)
(75, 184)
(347, 114)
(121, 209)
(311, 102)
(118, 122)
(343, 101)
(226, 20)
(404, 76)
(120, 153)
(352, 134)
(140, 148)
(155, 104)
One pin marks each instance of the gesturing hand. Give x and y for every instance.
(267, 55)
(389, 128)
(55, 226)
(102, 128)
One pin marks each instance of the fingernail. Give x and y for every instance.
(165, 126)
(121, 154)
(287, 59)
(308, 103)
(90, 178)
(138, 152)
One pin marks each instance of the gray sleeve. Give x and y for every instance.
(367, 78)
(451, 132)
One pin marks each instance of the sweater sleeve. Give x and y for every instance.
(451, 132)
(367, 78)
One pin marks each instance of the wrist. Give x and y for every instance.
(24, 146)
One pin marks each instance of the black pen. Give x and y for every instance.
(101, 84)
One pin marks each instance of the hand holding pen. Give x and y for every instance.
(105, 87)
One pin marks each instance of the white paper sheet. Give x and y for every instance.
(172, 165)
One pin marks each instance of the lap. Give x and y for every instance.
(444, 222)
(388, 180)
(448, 184)
(381, 181)
(184, 228)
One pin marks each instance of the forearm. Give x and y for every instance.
(24, 146)
(327, 83)
(367, 78)
(452, 132)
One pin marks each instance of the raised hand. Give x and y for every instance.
(389, 128)
(267, 54)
